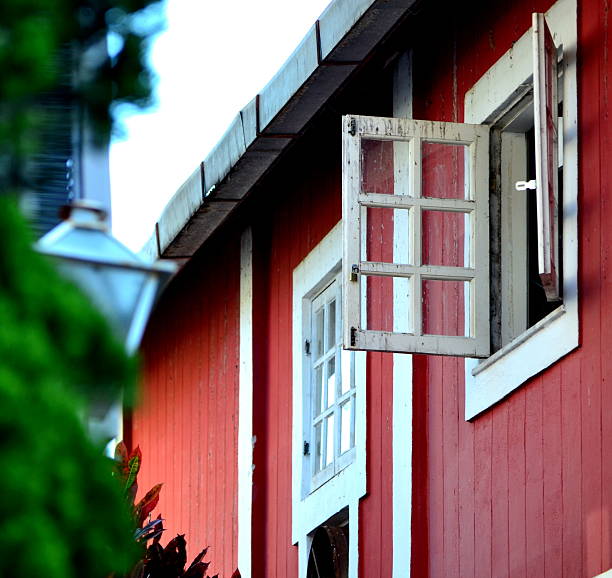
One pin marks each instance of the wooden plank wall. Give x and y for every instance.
(187, 421)
(524, 490)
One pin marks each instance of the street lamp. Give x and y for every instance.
(120, 284)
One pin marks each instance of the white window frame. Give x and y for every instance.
(547, 341)
(476, 341)
(311, 507)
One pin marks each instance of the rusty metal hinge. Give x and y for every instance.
(352, 130)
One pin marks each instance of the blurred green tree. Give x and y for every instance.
(61, 514)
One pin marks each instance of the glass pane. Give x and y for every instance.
(444, 171)
(387, 235)
(318, 390)
(319, 325)
(331, 325)
(346, 426)
(445, 307)
(384, 290)
(384, 167)
(318, 447)
(331, 382)
(329, 437)
(446, 238)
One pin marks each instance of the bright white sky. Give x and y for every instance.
(212, 59)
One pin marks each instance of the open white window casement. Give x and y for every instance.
(546, 146)
(529, 99)
(416, 229)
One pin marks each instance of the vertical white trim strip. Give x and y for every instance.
(402, 363)
(245, 406)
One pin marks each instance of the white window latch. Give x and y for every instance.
(524, 185)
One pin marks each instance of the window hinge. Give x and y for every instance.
(353, 336)
(352, 126)
(307, 347)
(354, 272)
(524, 185)
(306, 449)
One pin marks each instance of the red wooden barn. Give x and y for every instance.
(386, 353)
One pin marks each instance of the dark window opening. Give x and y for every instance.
(328, 556)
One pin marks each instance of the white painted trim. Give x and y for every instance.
(557, 334)
(402, 363)
(245, 406)
(349, 485)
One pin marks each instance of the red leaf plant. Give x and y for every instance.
(158, 561)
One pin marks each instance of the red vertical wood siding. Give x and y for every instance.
(523, 490)
(187, 421)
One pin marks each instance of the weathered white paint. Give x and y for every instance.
(410, 132)
(402, 362)
(556, 335)
(180, 209)
(310, 509)
(245, 406)
(287, 81)
(226, 153)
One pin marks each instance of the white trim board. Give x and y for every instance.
(245, 406)
(402, 366)
(557, 334)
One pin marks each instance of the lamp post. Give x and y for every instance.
(118, 282)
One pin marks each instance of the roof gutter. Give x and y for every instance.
(340, 40)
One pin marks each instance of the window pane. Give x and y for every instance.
(387, 235)
(318, 431)
(384, 167)
(331, 382)
(445, 307)
(346, 426)
(446, 238)
(445, 172)
(318, 390)
(329, 435)
(318, 337)
(331, 325)
(380, 292)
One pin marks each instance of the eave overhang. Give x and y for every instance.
(338, 43)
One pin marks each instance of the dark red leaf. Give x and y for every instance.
(199, 557)
(236, 574)
(147, 504)
(175, 554)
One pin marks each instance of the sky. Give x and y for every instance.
(212, 58)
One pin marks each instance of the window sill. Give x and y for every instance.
(526, 335)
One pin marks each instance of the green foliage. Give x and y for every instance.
(51, 45)
(62, 515)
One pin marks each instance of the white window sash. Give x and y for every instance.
(476, 342)
(545, 124)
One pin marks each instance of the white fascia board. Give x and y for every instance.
(225, 155)
(336, 19)
(179, 210)
(149, 251)
(249, 122)
(288, 80)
